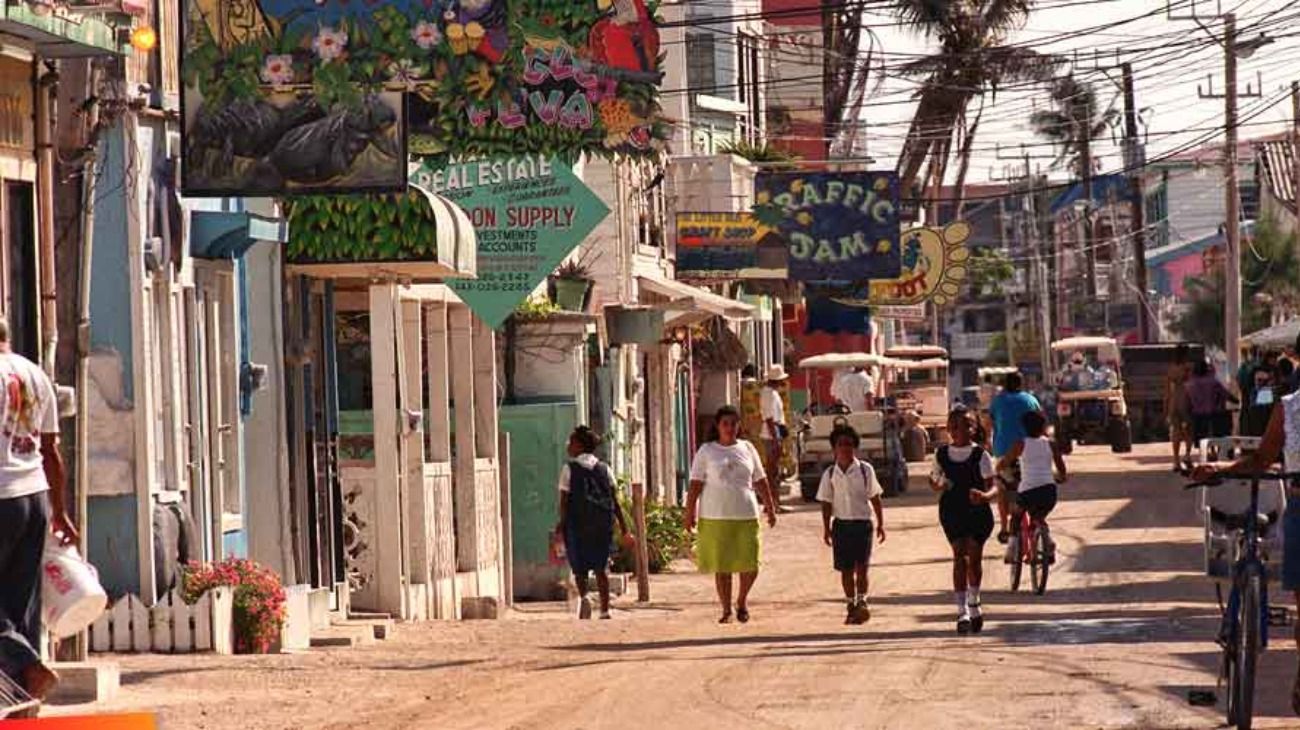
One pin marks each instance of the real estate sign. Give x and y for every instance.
(529, 214)
(838, 227)
(729, 246)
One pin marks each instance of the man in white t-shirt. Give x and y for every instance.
(849, 493)
(31, 505)
(854, 389)
(775, 430)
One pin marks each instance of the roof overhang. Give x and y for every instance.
(63, 33)
(688, 304)
(223, 229)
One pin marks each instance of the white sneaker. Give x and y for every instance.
(584, 608)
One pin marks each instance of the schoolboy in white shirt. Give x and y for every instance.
(850, 494)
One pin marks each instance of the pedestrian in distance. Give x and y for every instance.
(963, 475)
(1208, 400)
(1042, 469)
(1007, 413)
(31, 507)
(723, 507)
(1178, 409)
(588, 510)
(849, 495)
(775, 430)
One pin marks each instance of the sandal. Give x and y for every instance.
(742, 615)
(726, 618)
(1003, 536)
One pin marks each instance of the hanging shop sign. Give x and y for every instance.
(729, 246)
(935, 264)
(529, 213)
(838, 227)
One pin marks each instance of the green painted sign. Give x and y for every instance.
(529, 214)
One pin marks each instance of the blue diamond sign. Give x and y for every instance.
(529, 214)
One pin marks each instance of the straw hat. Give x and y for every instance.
(777, 372)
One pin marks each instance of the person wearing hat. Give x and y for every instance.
(775, 429)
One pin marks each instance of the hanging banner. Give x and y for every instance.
(729, 246)
(529, 214)
(935, 266)
(838, 227)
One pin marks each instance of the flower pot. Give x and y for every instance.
(571, 294)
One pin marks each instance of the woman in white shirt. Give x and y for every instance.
(723, 508)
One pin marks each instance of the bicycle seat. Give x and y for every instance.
(1264, 521)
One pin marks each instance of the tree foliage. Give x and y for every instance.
(1074, 122)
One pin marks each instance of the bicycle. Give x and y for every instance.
(1033, 533)
(1243, 631)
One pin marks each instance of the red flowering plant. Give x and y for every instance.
(258, 599)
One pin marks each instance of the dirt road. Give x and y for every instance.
(1125, 630)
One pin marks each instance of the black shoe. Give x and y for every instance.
(977, 622)
(851, 617)
(742, 615)
(963, 626)
(1003, 536)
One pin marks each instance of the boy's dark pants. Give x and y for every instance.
(23, 524)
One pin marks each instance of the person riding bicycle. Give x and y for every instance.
(1006, 412)
(1281, 441)
(1037, 490)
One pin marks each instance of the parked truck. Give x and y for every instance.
(1145, 368)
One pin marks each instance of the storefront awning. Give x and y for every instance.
(64, 33)
(222, 229)
(687, 304)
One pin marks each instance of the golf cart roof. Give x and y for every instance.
(995, 371)
(840, 360)
(1083, 343)
(927, 364)
(915, 351)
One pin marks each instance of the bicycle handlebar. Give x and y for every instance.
(1218, 480)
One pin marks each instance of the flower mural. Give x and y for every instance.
(483, 77)
(278, 69)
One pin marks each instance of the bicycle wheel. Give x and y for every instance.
(1017, 564)
(1248, 640)
(1039, 566)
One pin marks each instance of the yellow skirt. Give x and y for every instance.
(727, 546)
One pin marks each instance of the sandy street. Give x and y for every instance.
(1125, 630)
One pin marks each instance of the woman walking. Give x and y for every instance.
(1178, 409)
(723, 506)
(963, 475)
(588, 508)
(1208, 399)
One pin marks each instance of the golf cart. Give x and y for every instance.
(917, 378)
(1090, 405)
(878, 428)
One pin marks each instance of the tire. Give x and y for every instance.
(1039, 566)
(1120, 437)
(1017, 566)
(1248, 641)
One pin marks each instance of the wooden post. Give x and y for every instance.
(642, 547)
(507, 521)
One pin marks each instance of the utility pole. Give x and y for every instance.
(1089, 231)
(1232, 307)
(1295, 151)
(1135, 161)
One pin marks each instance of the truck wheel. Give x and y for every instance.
(1120, 437)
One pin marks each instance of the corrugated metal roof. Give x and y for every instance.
(1278, 171)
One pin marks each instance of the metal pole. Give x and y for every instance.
(46, 94)
(1137, 225)
(1232, 308)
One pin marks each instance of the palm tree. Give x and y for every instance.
(973, 60)
(1073, 124)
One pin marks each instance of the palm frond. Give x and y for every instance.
(929, 18)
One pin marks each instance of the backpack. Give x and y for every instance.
(591, 500)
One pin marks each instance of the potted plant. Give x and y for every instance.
(258, 599)
(572, 284)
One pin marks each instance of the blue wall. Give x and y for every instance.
(111, 543)
(110, 280)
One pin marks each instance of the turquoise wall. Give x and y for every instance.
(538, 436)
(111, 544)
(110, 282)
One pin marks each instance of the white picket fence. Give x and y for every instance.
(170, 627)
